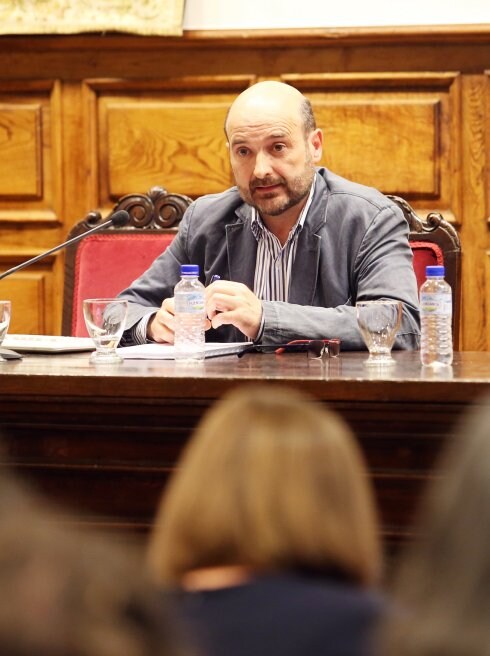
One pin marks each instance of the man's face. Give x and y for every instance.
(273, 160)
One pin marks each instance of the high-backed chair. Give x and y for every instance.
(434, 241)
(103, 264)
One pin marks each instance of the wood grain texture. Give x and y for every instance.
(474, 232)
(30, 139)
(392, 130)
(364, 138)
(28, 292)
(105, 441)
(486, 319)
(180, 141)
(21, 161)
(169, 132)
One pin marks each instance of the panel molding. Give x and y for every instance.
(474, 232)
(31, 182)
(378, 80)
(30, 293)
(21, 164)
(486, 307)
(487, 149)
(29, 216)
(230, 83)
(167, 132)
(417, 156)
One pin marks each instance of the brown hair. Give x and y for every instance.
(271, 480)
(442, 588)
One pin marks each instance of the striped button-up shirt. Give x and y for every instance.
(275, 262)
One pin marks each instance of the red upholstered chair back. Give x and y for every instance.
(434, 241)
(105, 263)
(425, 254)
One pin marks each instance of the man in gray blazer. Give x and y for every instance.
(295, 246)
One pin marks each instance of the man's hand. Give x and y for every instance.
(234, 303)
(161, 326)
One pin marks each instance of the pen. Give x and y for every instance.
(214, 278)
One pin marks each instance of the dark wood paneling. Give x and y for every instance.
(105, 439)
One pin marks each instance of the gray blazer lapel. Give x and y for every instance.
(242, 248)
(305, 269)
(306, 263)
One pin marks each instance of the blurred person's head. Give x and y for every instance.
(442, 590)
(68, 592)
(270, 481)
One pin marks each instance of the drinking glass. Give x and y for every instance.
(105, 319)
(5, 311)
(379, 322)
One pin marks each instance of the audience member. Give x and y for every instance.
(267, 531)
(68, 592)
(295, 246)
(442, 591)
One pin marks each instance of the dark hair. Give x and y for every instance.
(442, 587)
(308, 116)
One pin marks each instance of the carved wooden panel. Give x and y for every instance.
(372, 141)
(396, 132)
(474, 230)
(31, 189)
(170, 134)
(28, 292)
(30, 162)
(486, 135)
(21, 161)
(486, 303)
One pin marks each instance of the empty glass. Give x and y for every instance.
(5, 311)
(379, 322)
(105, 319)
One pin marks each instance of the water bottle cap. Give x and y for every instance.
(437, 271)
(189, 269)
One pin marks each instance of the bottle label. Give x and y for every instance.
(436, 304)
(192, 303)
(196, 302)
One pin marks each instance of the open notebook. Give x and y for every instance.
(166, 351)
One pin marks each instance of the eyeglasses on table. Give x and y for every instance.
(316, 349)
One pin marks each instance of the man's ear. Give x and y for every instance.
(315, 141)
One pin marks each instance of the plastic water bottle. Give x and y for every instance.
(436, 308)
(189, 315)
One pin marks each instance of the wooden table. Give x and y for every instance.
(105, 438)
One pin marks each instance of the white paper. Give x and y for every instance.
(167, 351)
(47, 343)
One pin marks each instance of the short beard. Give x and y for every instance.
(296, 190)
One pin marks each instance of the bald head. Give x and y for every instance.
(268, 100)
(274, 146)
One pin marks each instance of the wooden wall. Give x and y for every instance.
(86, 119)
